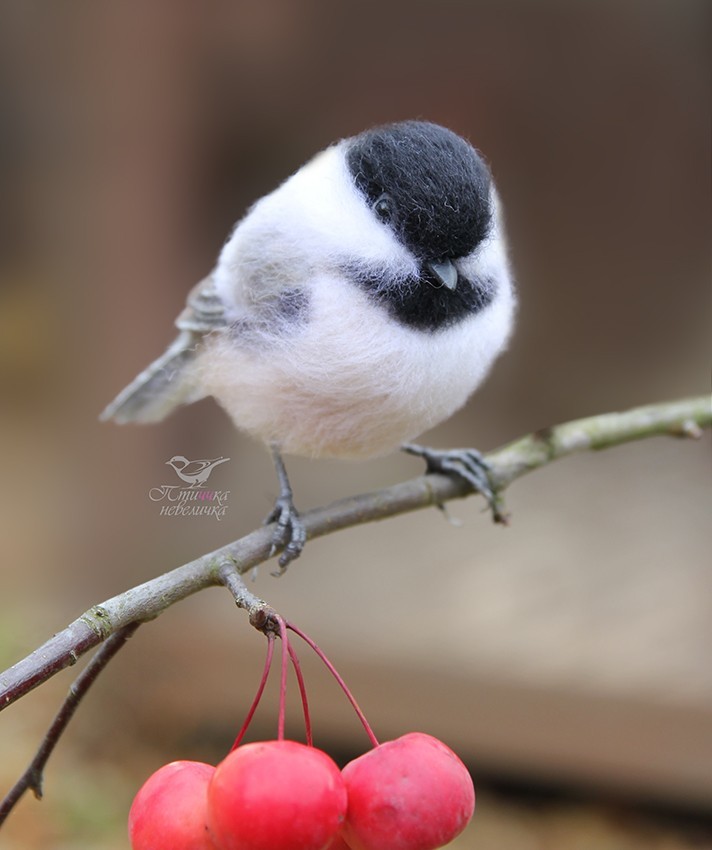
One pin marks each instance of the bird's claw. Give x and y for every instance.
(467, 464)
(289, 533)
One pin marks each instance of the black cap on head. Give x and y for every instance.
(427, 183)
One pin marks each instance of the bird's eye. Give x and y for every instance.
(383, 207)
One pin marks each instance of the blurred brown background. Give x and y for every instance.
(566, 658)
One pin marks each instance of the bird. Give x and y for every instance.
(194, 472)
(357, 305)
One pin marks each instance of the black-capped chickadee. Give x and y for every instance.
(354, 307)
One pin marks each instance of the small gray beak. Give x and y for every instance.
(445, 272)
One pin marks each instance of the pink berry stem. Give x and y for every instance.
(303, 693)
(283, 679)
(258, 695)
(330, 667)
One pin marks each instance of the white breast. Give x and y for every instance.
(352, 382)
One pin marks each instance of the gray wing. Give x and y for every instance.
(170, 381)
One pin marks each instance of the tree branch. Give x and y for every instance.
(262, 616)
(685, 418)
(33, 775)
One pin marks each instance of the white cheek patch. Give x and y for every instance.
(315, 223)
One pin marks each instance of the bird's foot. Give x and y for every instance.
(467, 464)
(289, 533)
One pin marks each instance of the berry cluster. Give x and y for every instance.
(412, 793)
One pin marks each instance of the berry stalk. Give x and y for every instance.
(342, 684)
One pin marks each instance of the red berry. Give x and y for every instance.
(413, 793)
(169, 811)
(338, 844)
(276, 794)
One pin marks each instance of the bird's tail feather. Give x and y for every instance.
(164, 385)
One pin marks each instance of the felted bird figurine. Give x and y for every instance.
(194, 472)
